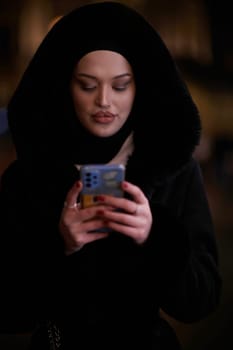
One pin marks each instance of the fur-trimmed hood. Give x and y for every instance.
(166, 121)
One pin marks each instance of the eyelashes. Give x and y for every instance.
(92, 84)
(87, 87)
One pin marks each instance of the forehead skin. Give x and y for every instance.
(101, 63)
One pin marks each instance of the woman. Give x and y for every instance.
(102, 88)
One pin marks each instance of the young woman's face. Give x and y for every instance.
(103, 91)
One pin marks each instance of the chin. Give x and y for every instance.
(103, 133)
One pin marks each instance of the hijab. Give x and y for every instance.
(164, 119)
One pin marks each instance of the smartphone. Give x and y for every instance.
(100, 179)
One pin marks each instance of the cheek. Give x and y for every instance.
(80, 103)
(127, 103)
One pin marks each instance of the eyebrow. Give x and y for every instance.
(93, 77)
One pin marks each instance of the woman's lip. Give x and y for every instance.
(102, 114)
(103, 117)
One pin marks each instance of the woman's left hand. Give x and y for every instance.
(133, 217)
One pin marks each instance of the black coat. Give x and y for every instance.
(113, 285)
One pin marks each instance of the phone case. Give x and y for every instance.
(100, 179)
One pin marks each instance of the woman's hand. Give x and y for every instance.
(76, 223)
(133, 217)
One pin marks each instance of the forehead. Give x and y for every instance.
(103, 60)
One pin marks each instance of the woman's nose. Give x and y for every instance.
(103, 98)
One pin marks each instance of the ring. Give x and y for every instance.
(135, 211)
(72, 206)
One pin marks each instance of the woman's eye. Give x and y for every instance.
(87, 87)
(121, 87)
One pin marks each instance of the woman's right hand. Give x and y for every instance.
(76, 223)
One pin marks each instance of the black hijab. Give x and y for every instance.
(164, 118)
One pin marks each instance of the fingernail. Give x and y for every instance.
(100, 198)
(100, 212)
(124, 184)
